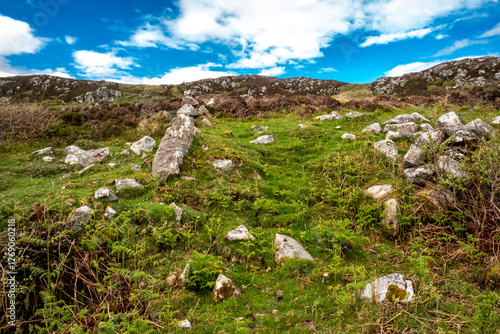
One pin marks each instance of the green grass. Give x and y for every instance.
(308, 184)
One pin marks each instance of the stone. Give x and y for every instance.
(400, 119)
(388, 148)
(145, 144)
(286, 248)
(450, 166)
(267, 139)
(184, 277)
(464, 137)
(225, 288)
(174, 146)
(188, 110)
(223, 164)
(480, 128)
(258, 128)
(206, 122)
(136, 168)
(121, 183)
(426, 127)
(85, 169)
(125, 152)
(411, 127)
(301, 126)
(420, 176)
(185, 324)
(280, 294)
(48, 159)
(390, 222)
(437, 201)
(390, 287)
(211, 102)
(391, 135)
(81, 217)
(431, 138)
(379, 191)
(85, 158)
(202, 110)
(45, 151)
(374, 128)
(238, 234)
(353, 114)
(331, 117)
(178, 212)
(112, 165)
(187, 178)
(496, 120)
(419, 118)
(105, 194)
(72, 149)
(348, 136)
(110, 212)
(416, 156)
(336, 115)
(449, 123)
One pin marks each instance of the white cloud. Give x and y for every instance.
(70, 40)
(327, 70)
(16, 37)
(154, 36)
(97, 65)
(493, 32)
(410, 68)
(6, 70)
(273, 72)
(179, 75)
(388, 38)
(441, 36)
(458, 45)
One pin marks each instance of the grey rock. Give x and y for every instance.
(76, 155)
(286, 248)
(202, 110)
(496, 120)
(411, 127)
(419, 118)
(416, 156)
(431, 138)
(388, 148)
(145, 144)
(206, 122)
(188, 110)
(211, 102)
(223, 164)
(426, 127)
(348, 136)
(85, 169)
(379, 191)
(187, 178)
(449, 123)
(121, 183)
(178, 212)
(125, 152)
(383, 288)
(480, 128)
(45, 151)
(420, 176)
(185, 324)
(455, 155)
(400, 119)
(331, 117)
(174, 146)
(81, 217)
(391, 135)
(258, 128)
(136, 168)
(112, 165)
(105, 194)
(267, 139)
(110, 212)
(238, 234)
(450, 166)
(463, 137)
(72, 149)
(48, 159)
(437, 201)
(353, 114)
(225, 288)
(374, 128)
(390, 222)
(184, 277)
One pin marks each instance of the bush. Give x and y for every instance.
(26, 121)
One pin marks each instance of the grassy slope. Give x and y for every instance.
(307, 184)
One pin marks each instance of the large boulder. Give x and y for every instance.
(388, 148)
(225, 288)
(449, 123)
(286, 248)
(145, 144)
(174, 146)
(393, 287)
(480, 128)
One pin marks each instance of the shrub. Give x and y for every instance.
(26, 121)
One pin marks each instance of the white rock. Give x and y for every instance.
(223, 164)
(184, 277)
(258, 128)
(85, 169)
(332, 117)
(388, 287)
(239, 233)
(496, 120)
(211, 102)
(426, 127)
(388, 148)
(145, 144)
(419, 118)
(185, 324)
(188, 110)
(71, 159)
(391, 135)
(110, 212)
(73, 150)
(105, 193)
(391, 217)
(375, 128)
(338, 127)
(411, 127)
(450, 166)
(353, 114)
(348, 136)
(48, 159)
(120, 183)
(48, 150)
(263, 140)
(379, 191)
(225, 288)
(206, 122)
(286, 248)
(480, 128)
(449, 123)
(80, 217)
(400, 119)
(178, 211)
(416, 156)
(419, 175)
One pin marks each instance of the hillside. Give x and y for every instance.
(251, 205)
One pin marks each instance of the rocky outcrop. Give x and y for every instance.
(393, 287)
(286, 248)
(102, 93)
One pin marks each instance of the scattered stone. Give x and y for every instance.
(274, 312)
(286, 248)
(391, 217)
(437, 201)
(449, 123)
(85, 169)
(178, 212)
(84, 158)
(121, 183)
(105, 194)
(463, 137)
(426, 127)
(348, 136)
(125, 152)
(48, 159)
(136, 168)
(110, 212)
(185, 324)
(205, 148)
(338, 127)
(416, 156)
(326, 118)
(211, 102)
(184, 277)
(388, 148)
(496, 120)
(419, 118)
(420, 176)
(393, 287)
(353, 114)
(112, 165)
(45, 151)
(263, 140)
(258, 128)
(400, 119)
(450, 166)
(379, 191)
(374, 128)
(174, 146)
(225, 288)
(238, 234)
(80, 217)
(391, 135)
(202, 110)
(480, 128)
(280, 294)
(336, 115)
(145, 144)
(206, 122)
(187, 178)
(223, 164)
(411, 127)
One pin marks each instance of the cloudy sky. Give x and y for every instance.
(165, 42)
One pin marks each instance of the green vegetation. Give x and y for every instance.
(121, 275)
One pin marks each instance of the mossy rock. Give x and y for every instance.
(490, 278)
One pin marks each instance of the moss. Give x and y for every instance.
(225, 292)
(394, 293)
(491, 278)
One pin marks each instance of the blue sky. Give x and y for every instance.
(169, 42)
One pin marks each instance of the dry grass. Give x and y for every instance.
(354, 92)
(25, 121)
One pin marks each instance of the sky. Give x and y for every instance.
(170, 42)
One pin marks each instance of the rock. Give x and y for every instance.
(263, 140)
(411, 127)
(105, 194)
(338, 127)
(400, 119)
(258, 128)
(80, 217)
(48, 159)
(85, 169)
(301, 126)
(109, 213)
(125, 152)
(45, 151)
(206, 122)
(185, 324)
(419, 118)
(136, 168)
(390, 222)
(72, 149)
(187, 178)
(211, 102)
(437, 201)
(348, 136)
(391, 287)
(280, 294)
(178, 212)
(496, 120)
(121, 183)
(184, 277)
(388, 148)
(379, 191)
(145, 144)
(463, 137)
(426, 127)
(223, 164)
(353, 114)
(225, 288)
(202, 110)
(188, 110)
(450, 166)
(449, 123)
(143, 156)
(431, 139)
(174, 146)
(391, 135)
(419, 176)
(374, 128)
(416, 156)
(336, 115)
(455, 155)
(286, 248)
(480, 128)
(238, 234)
(112, 165)
(332, 117)
(84, 158)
